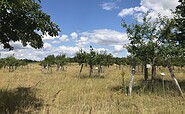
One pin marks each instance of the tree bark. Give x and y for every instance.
(99, 70)
(142, 68)
(81, 69)
(145, 72)
(91, 70)
(175, 80)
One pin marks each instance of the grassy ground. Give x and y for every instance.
(63, 92)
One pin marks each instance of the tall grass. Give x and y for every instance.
(63, 92)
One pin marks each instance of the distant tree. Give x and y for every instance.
(60, 61)
(48, 61)
(23, 20)
(12, 63)
(102, 59)
(81, 58)
(91, 60)
(2, 63)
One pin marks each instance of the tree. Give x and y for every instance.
(180, 23)
(48, 61)
(60, 61)
(143, 43)
(81, 58)
(155, 40)
(102, 59)
(12, 63)
(170, 47)
(23, 20)
(91, 60)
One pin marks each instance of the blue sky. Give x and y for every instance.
(90, 22)
(85, 15)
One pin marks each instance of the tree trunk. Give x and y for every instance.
(153, 76)
(58, 67)
(91, 70)
(145, 72)
(131, 82)
(138, 68)
(153, 72)
(99, 70)
(81, 69)
(175, 80)
(142, 68)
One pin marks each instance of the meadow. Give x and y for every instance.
(31, 91)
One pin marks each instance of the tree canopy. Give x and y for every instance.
(180, 22)
(23, 20)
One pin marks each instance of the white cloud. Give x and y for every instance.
(109, 6)
(125, 12)
(74, 35)
(64, 38)
(162, 6)
(60, 39)
(48, 37)
(118, 48)
(47, 45)
(103, 37)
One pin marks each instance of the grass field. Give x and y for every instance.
(29, 90)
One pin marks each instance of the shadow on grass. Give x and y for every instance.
(93, 76)
(146, 87)
(19, 100)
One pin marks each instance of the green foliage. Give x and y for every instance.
(23, 20)
(94, 58)
(104, 59)
(11, 61)
(49, 60)
(153, 41)
(81, 57)
(180, 23)
(61, 60)
(91, 60)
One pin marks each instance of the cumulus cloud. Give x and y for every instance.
(48, 37)
(118, 48)
(163, 7)
(60, 39)
(47, 45)
(109, 6)
(103, 37)
(74, 35)
(64, 38)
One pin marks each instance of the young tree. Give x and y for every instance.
(154, 40)
(142, 45)
(91, 60)
(23, 20)
(60, 61)
(81, 58)
(48, 61)
(102, 59)
(12, 63)
(170, 47)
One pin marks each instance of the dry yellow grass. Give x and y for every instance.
(63, 92)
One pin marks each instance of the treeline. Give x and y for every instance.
(11, 63)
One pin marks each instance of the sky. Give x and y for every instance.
(90, 22)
